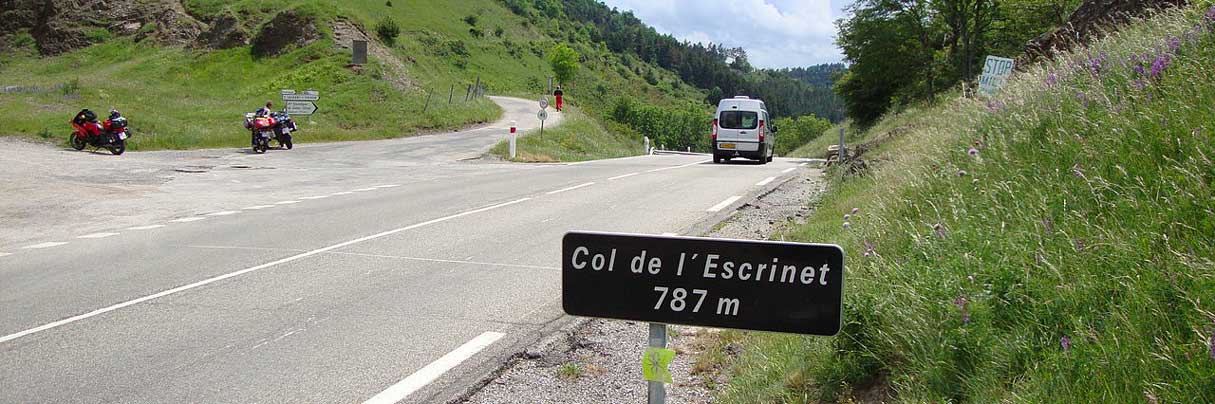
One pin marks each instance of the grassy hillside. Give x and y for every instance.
(579, 138)
(183, 98)
(1053, 244)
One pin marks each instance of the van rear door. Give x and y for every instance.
(737, 125)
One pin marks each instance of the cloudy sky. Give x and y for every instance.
(775, 33)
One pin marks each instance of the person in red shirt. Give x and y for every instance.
(558, 93)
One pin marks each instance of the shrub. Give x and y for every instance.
(471, 20)
(499, 31)
(388, 30)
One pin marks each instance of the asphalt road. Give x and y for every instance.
(352, 270)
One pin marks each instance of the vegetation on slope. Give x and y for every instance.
(1053, 244)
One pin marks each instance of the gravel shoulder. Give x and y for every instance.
(599, 361)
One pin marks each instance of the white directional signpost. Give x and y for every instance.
(749, 285)
(300, 103)
(995, 72)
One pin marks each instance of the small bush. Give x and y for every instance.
(498, 32)
(388, 30)
(388, 3)
(471, 20)
(476, 32)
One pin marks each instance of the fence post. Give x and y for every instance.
(427, 106)
(450, 93)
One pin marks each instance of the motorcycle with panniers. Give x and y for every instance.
(265, 127)
(111, 134)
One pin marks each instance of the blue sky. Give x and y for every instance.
(775, 33)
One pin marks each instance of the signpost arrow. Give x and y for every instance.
(301, 97)
(300, 107)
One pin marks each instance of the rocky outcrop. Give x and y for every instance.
(1087, 22)
(225, 32)
(286, 30)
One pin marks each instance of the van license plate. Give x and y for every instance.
(726, 146)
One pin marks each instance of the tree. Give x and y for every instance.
(388, 30)
(564, 62)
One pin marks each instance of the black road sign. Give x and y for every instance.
(750, 285)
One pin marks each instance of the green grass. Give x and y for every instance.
(1088, 215)
(578, 138)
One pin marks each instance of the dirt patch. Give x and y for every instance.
(288, 29)
(600, 361)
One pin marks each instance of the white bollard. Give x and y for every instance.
(647, 144)
(513, 137)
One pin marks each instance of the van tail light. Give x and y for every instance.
(714, 129)
(761, 131)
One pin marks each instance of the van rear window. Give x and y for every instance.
(738, 120)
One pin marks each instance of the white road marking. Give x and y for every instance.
(678, 167)
(466, 261)
(365, 189)
(148, 227)
(429, 373)
(187, 219)
(224, 213)
(788, 170)
(803, 164)
(341, 193)
(98, 235)
(313, 198)
(4, 254)
(724, 204)
(766, 181)
(211, 280)
(570, 188)
(286, 202)
(258, 207)
(387, 186)
(622, 176)
(670, 234)
(39, 246)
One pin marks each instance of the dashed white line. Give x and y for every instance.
(766, 181)
(258, 207)
(211, 280)
(387, 186)
(188, 219)
(788, 170)
(224, 213)
(40, 246)
(313, 198)
(97, 235)
(4, 254)
(148, 227)
(570, 188)
(724, 204)
(432, 371)
(678, 167)
(286, 202)
(365, 189)
(341, 193)
(466, 261)
(622, 176)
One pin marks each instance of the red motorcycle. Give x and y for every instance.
(111, 134)
(267, 126)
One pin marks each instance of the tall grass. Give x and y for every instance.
(1053, 244)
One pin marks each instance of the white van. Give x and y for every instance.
(741, 128)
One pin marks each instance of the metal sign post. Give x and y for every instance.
(657, 393)
(543, 114)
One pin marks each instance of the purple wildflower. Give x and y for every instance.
(1076, 171)
(1160, 65)
(1139, 85)
(856, 210)
(973, 152)
(1096, 64)
(961, 302)
(939, 230)
(1210, 15)
(1080, 95)
(847, 225)
(1079, 243)
(1048, 226)
(1052, 79)
(1139, 69)
(1174, 43)
(961, 173)
(870, 249)
(847, 216)
(1066, 343)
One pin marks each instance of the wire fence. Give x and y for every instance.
(472, 91)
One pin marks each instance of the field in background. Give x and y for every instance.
(1053, 244)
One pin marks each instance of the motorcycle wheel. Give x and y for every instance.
(76, 141)
(286, 141)
(117, 148)
(260, 148)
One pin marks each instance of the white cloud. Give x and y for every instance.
(775, 33)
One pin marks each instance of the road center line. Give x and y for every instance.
(258, 207)
(622, 176)
(677, 167)
(724, 204)
(365, 189)
(211, 280)
(570, 188)
(148, 227)
(224, 213)
(4, 254)
(429, 373)
(442, 260)
(187, 219)
(766, 181)
(98, 235)
(313, 198)
(286, 202)
(341, 193)
(40, 246)
(788, 170)
(387, 186)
